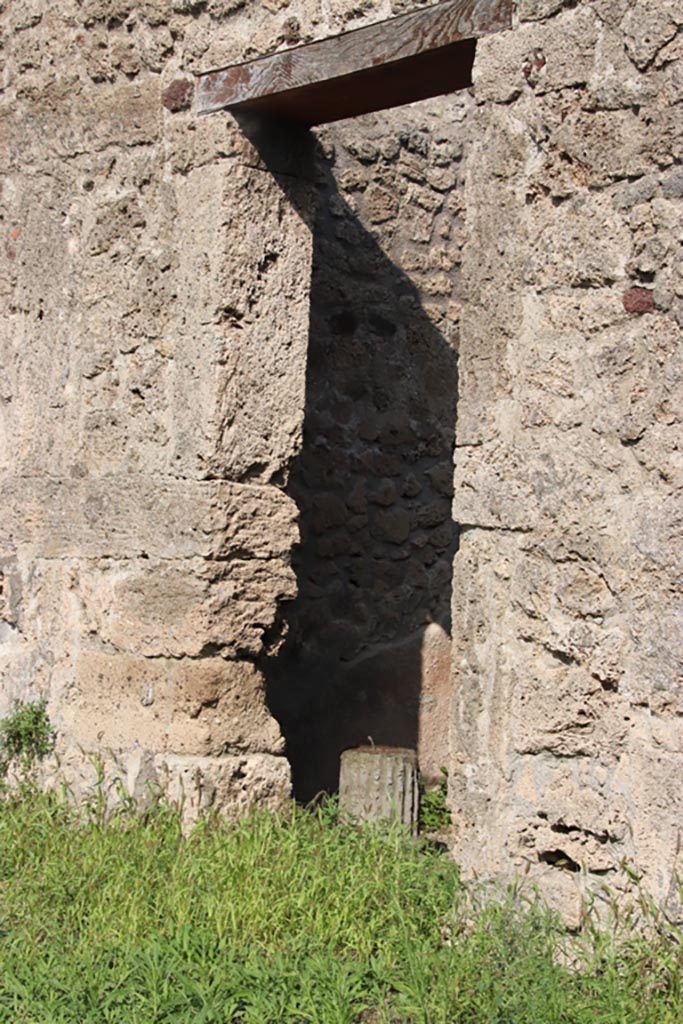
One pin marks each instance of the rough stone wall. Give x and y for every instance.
(155, 282)
(155, 286)
(567, 730)
(368, 648)
(154, 278)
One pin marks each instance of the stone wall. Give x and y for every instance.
(165, 283)
(567, 731)
(155, 281)
(155, 277)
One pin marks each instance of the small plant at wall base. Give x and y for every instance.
(434, 815)
(26, 736)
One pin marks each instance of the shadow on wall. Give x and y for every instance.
(366, 650)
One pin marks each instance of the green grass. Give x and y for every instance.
(284, 921)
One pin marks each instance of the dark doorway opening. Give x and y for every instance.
(365, 656)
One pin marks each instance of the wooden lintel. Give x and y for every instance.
(428, 52)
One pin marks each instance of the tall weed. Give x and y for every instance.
(297, 919)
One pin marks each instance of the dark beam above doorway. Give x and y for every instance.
(428, 52)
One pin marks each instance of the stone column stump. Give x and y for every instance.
(379, 784)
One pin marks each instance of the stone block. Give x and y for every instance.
(127, 516)
(609, 145)
(232, 785)
(578, 244)
(648, 28)
(489, 492)
(564, 46)
(118, 703)
(191, 707)
(172, 608)
(245, 271)
(220, 708)
(392, 525)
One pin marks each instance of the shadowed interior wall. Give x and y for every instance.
(367, 654)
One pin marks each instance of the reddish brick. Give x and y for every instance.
(178, 95)
(638, 300)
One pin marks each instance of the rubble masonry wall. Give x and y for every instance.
(159, 307)
(567, 735)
